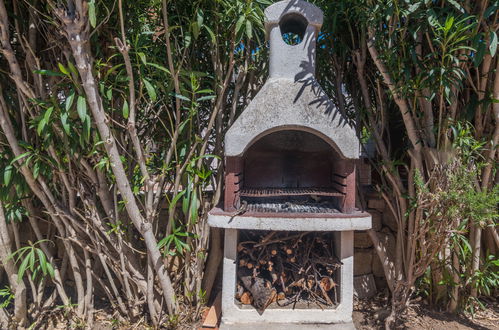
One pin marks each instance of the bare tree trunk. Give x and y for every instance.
(76, 30)
(17, 285)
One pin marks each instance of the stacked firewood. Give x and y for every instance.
(286, 268)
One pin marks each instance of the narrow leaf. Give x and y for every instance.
(64, 122)
(249, 30)
(150, 90)
(41, 126)
(182, 97)
(91, 13)
(493, 43)
(125, 109)
(63, 69)
(70, 100)
(48, 113)
(81, 107)
(239, 23)
(22, 269)
(7, 174)
(49, 73)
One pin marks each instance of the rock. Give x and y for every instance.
(388, 239)
(382, 314)
(381, 283)
(362, 240)
(376, 220)
(376, 203)
(377, 267)
(364, 286)
(390, 220)
(362, 260)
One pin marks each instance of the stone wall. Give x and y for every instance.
(369, 277)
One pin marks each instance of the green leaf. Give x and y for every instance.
(477, 59)
(194, 207)
(492, 9)
(22, 269)
(64, 122)
(249, 30)
(157, 66)
(70, 100)
(50, 270)
(49, 73)
(239, 23)
(42, 260)
(7, 174)
(493, 43)
(208, 97)
(109, 94)
(81, 107)
(91, 13)
(41, 126)
(200, 18)
(36, 170)
(150, 89)
(72, 68)
(125, 109)
(448, 23)
(212, 35)
(63, 69)
(142, 57)
(21, 156)
(175, 199)
(456, 5)
(86, 128)
(48, 113)
(182, 97)
(195, 29)
(412, 8)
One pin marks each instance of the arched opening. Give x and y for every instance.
(289, 159)
(292, 171)
(293, 27)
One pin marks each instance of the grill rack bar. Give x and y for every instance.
(277, 192)
(291, 208)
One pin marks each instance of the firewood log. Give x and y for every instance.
(246, 298)
(260, 289)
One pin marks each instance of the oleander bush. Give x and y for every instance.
(112, 118)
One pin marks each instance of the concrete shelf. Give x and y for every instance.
(291, 221)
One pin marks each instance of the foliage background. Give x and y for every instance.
(112, 116)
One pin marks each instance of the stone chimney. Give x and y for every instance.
(291, 98)
(302, 19)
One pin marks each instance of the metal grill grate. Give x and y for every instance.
(275, 192)
(290, 207)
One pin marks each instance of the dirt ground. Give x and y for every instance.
(370, 314)
(367, 315)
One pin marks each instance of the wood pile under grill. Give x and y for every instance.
(293, 269)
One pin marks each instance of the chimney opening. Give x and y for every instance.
(293, 27)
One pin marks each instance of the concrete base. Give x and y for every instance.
(342, 314)
(287, 326)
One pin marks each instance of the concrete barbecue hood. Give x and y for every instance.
(292, 99)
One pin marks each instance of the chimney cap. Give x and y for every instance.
(275, 12)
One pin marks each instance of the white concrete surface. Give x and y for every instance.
(291, 223)
(311, 12)
(277, 326)
(283, 104)
(342, 314)
(292, 99)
